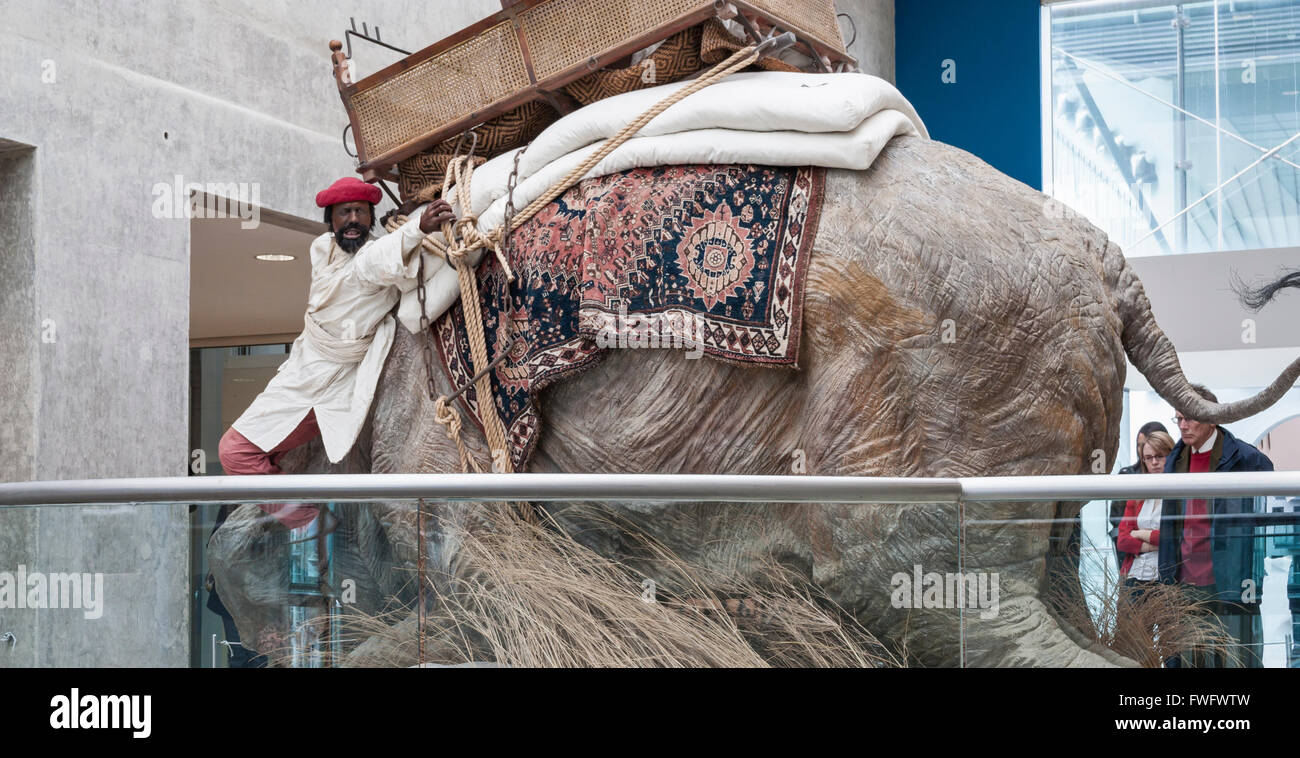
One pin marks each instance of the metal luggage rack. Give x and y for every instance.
(530, 50)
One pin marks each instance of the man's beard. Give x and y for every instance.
(351, 246)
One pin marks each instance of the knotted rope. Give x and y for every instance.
(464, 238)
(450, 419)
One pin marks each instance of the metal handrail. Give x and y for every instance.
(1132, 487)
(474, 487)
(645, 487)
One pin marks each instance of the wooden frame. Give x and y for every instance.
(378, 164)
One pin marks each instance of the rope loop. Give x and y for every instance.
(447, 416)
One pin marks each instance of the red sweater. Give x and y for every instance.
(1127, 542)
(1198, 565)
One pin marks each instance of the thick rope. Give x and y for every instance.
(466, 238)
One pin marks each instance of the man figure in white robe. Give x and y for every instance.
(326, 385)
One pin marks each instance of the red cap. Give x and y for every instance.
(349, 189)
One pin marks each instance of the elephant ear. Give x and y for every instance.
(250, 558)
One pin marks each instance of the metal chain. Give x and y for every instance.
(511, 183)
(506, 322)
(426, 327)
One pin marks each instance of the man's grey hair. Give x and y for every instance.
(1204, 392)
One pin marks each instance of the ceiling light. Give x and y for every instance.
(276, 257)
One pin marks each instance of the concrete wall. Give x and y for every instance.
(17, 311)
(18, 363)
(1196, 307)
(874, 46)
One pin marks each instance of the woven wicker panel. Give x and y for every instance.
(564, 33)
(435, 92)
(816, 17)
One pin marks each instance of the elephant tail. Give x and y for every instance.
(1153, 354)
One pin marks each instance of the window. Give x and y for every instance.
(1175, 126)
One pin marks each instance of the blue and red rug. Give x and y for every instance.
(705, 259)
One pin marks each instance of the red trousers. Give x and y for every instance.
(240, 457)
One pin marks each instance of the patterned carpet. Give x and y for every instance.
(705, 259)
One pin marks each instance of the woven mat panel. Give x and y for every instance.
(677, 58)
(717, 44)
(817, 17)
(440, 90)
(422, 175)
(503, 133)
(680, 56)
(557, 42)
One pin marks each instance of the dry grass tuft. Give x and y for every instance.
(526, 595)
(1164, 621)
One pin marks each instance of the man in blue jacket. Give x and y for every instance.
(1208, 545)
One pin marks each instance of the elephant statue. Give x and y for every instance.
(956, 323)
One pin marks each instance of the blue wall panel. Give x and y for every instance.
(992, 109)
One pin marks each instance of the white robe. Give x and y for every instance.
(351, 299)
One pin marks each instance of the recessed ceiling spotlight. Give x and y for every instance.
(276, 257)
